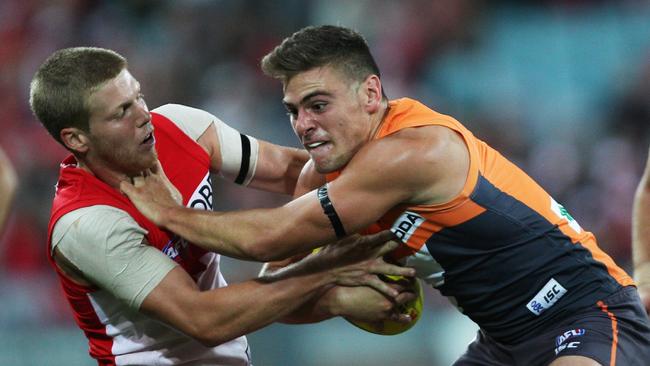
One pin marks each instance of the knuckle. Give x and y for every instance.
(386, 307)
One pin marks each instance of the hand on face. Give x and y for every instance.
(152, 192)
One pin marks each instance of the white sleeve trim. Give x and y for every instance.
(190, 120)
(106, 245)
(239, 154)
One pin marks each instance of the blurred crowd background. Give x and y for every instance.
(560, 87)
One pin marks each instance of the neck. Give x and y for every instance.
(378, 118)
(106, 175)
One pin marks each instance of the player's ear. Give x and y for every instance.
(75, 139)
(372, 90)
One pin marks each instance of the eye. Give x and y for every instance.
(120, 113)
(318, 107)
(123, 110)
(292, 112)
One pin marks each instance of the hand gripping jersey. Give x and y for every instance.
(117, 334)
(503, 251)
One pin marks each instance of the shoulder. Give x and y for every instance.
(413, 146)
(192, 121)
(94, 225)
(422, 161)
(309, 179)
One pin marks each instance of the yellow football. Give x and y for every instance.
(412, 308)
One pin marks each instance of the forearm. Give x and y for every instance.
(359, 303)
(259, 234)
(352, 299)
(641, 231)
(321, 306)
(278, 168)
(242, 308)
(219, 315)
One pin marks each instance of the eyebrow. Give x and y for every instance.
(128, 103)
(306, 98)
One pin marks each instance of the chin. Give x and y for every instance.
(331, 163)
(328, 168)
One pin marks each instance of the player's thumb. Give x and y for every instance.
(126, 187)
(157, 168)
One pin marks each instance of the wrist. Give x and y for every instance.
(172, 218)
(330, 301)
(163, 218)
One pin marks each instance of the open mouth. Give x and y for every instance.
(314, 145)
(149, 140)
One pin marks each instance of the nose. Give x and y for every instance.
(303, 124)
(144, 116)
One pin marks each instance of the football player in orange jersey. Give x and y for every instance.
(475, 226)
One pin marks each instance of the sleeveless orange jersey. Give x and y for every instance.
(504, 251)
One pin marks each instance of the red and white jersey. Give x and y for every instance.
(118, 334)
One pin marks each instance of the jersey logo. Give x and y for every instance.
(546, 297)
(562, 213)
(174, 247)
(202, 197)
(559, 341)
(406, 224)
(569, 334)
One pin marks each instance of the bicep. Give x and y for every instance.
(366, 190)
(417, 166)
(308, 180)
(357, 198)
(278, 167)
(172, 300)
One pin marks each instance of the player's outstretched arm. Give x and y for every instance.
(641, 236)
(360, 303)
(424, 167)
(8, 184)
(219, 315)
(347, 251)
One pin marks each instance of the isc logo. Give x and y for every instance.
(546, 297)
(406, 225)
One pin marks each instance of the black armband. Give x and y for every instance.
(328, 209)
(245, 159)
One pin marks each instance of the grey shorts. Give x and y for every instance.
(615, 332)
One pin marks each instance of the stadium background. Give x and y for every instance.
(560, 87)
